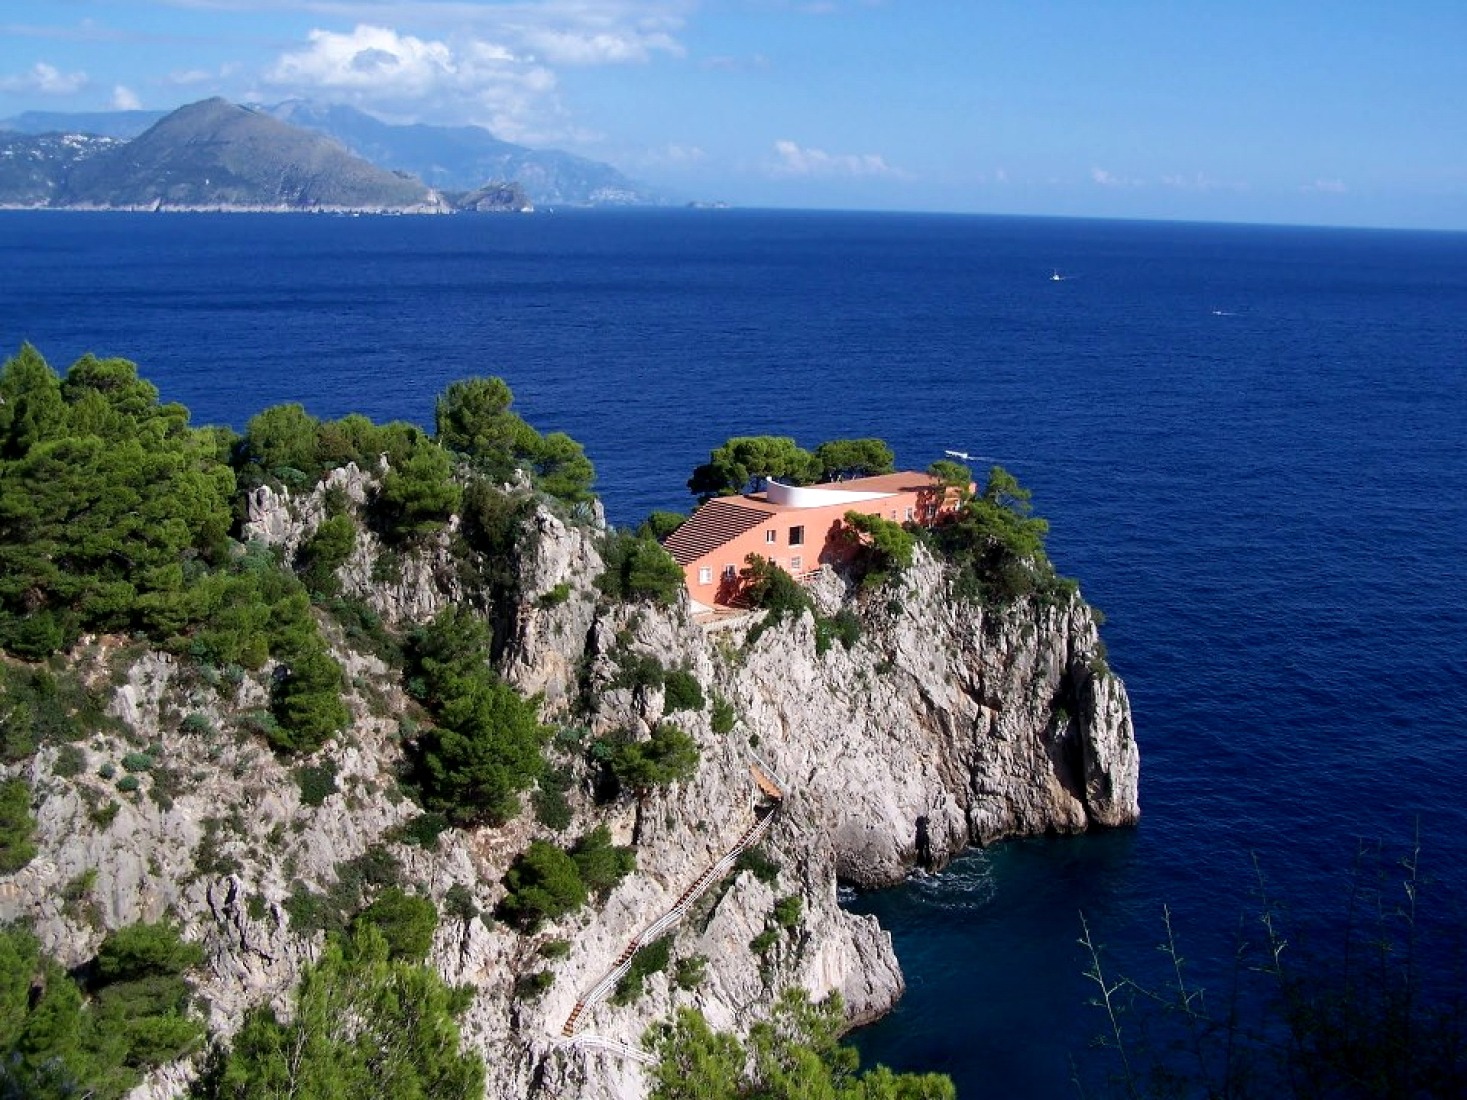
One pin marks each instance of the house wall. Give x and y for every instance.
(819, 547)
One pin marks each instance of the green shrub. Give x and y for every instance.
(668, 756)
(317, 782)
(423, 830)
(690, 972)
(196, 725)
(759, 864)
(639, 569)
(555, 596)
(542, 884)
(555, 949)
(764, 942)
(406, 922)
(683, 692)
(551, 807)
(324, 552)
(723, 716)
(128, 783)
(17, 826)
(529, 986)
(107, 770)
(649, 960)
(600, 863)
(70, 761)
(458, 902)
(788, 911)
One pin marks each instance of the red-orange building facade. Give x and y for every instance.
(795, 526)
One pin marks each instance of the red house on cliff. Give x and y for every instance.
(795, 526)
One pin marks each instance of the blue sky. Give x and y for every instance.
(1342, 113)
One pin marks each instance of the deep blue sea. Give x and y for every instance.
(1251, 444)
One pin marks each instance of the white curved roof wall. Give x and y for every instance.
(813, 496)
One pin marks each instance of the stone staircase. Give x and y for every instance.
(763, 820)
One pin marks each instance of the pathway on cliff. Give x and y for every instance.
(764, 816)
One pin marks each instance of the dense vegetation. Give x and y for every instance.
(486, 745)
(997, 546)
(94, 1032)
(546, 882)
(745, 461)
(365, 1022)
(797, 1053)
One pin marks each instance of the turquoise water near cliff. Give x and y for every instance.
(1249, 442)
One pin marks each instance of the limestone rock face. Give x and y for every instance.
(944, 725)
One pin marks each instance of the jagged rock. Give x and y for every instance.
(946, 724)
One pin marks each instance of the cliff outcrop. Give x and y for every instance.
(943, 724)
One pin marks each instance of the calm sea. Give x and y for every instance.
(1249, 442)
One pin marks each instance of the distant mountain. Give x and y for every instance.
(211, 155)
(461, 158)
(34, 167)
(116, 124)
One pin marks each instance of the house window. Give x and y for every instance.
(797, 536)
(797, 564)
(911, 514)
(705, 574)
(730, 572)
(771, 535)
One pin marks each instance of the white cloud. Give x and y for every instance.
(1197, 181)
(794, 160)
(125, 99)
(465, 79)
(45, 79)
(620, 47)
(1325, 187)
(1110, 179)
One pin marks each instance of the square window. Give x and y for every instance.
(797, 536)
(911, 514)
(771, 535)
(705, 574)
(796, 564)
(730, 572)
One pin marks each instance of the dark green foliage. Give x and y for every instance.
(771, 589)
(638, 671)
(998, 548)
(555, 596)
(668, 756)
(306, 698)
(764, 942)
(952, 473)
(473, 418)
(797, 1053)
(137, 762)
(108, 503)
(658, 525)
(529, 986)
(883, 549)
(418, 493)
(638, 568)
(145, 950)
(555, 949)
(326, 551)
(649, 960)
(600, 863)
(407, 923)
(759, 864)
(17, 826)
(423, 830)
(317, 782)
(747, 460)
(61, 1039)
(364, 629)
(843, 627)
(70, 761)
(723, 716)
(129, 783)
(458, 902)
(788, 910)
(843, 458)
(551, 808)
(690, 972)
(486, 747)
(363, 1023)
(542, 884)
(310, 912)
(682, 691)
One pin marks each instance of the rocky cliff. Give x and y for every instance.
(944, 724)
